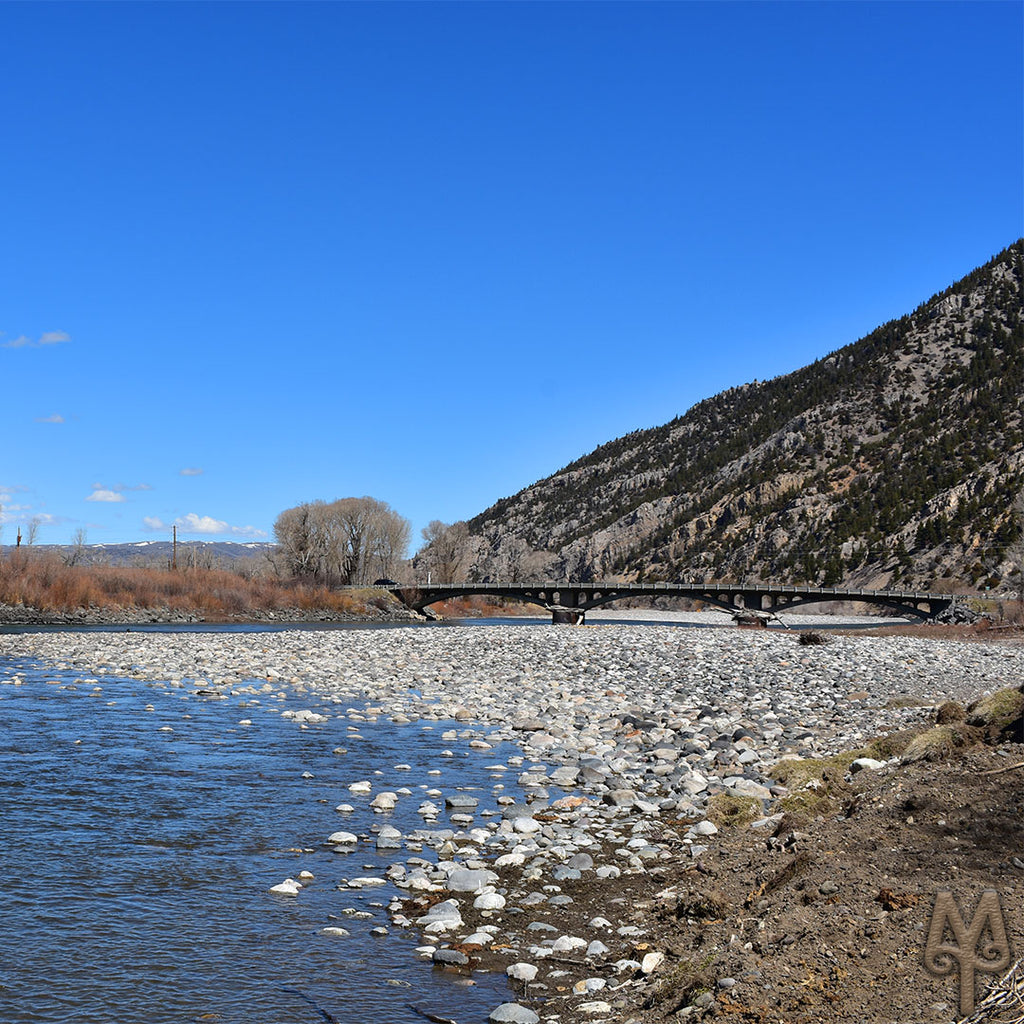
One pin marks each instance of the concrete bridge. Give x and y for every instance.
(569, 602)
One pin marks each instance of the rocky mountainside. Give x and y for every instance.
(894, 460)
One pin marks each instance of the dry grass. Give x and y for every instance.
(44, 583)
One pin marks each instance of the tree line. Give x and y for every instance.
(356, 541)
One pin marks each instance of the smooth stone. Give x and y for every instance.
(489, 901)
(459, 802)
(468, 880)
(747, 787)
(522, 972)
(513, 1013)
(651, 962)
(450, 957)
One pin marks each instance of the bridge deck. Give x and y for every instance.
(566, 597)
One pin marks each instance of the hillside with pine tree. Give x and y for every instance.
(896, 459)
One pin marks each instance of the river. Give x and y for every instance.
(137, 860)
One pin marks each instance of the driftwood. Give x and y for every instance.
(1000, 771)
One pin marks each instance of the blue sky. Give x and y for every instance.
(257, 254)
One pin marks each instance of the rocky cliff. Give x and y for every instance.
(896, 459)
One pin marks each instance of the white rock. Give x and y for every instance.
(489, 901)
(521, 971)
(651, 962)
(343, 838)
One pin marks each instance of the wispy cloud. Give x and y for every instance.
(54, 338)
(11, 510)
(101, 492)
(55, 418)
(154, 524)
(44, 339)
(190, 471)
(7, 491)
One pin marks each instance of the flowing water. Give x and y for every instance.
(136, 861)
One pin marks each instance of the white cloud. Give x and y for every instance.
(55, 418)
(46, 338)
(193, 523)
(201, 524)
(100, 494)
(190, 471)
(153, 524)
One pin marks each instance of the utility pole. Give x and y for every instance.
(174, 547)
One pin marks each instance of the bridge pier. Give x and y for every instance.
(562, 616)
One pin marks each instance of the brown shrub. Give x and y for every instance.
(45, 583)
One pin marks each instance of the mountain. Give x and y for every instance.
(155, 554)
(896, 459)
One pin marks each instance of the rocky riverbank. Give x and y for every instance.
(645, 751)
(23, 615)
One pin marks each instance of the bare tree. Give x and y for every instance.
(33, 530)
(341, 542)
(76, 553)
(296, 531)
(448, 550)
(389, 539)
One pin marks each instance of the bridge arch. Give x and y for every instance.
(569, 602)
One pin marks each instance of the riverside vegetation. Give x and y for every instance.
(38, 587)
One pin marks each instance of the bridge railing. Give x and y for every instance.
(681, 588)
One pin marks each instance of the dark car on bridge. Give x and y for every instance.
(384, 582)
